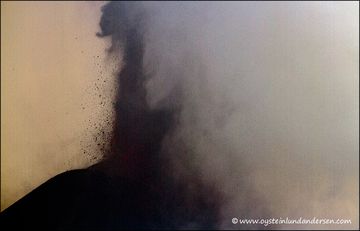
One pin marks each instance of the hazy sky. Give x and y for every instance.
(50, 63)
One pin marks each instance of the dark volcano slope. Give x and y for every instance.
(88, 200)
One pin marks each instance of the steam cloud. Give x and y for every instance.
(250, 107)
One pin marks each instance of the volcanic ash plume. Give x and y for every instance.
(248, 109)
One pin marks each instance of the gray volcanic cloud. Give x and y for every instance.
(269, 96)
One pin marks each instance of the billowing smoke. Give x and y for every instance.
(250, 108)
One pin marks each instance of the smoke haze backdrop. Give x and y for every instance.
(269, 95)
